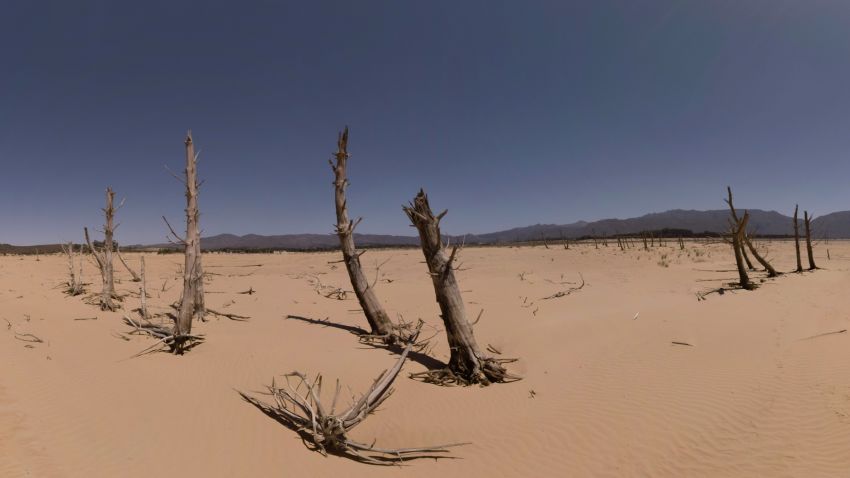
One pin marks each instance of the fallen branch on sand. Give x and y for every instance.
(682, 343)
(327, 431)
(842, 331)
(28, 338)
(566, 292)
(239, 318)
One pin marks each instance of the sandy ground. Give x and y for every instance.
(605, 392)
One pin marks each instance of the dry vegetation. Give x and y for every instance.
(557, 417)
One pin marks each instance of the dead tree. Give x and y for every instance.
(192, 299)
(797, 240)
(104, 256)
(771, 272)
(75, 277)
(133, 274)
(467, 364)
(143, 292)
(381, 326)
(807, 221)
(737, 244)
(299, 406)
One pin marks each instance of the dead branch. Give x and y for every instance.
(326, 430)
(568, 291)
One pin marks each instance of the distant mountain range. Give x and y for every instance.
(764, 223)
(767, 223)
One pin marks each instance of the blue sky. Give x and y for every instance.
(507, 113)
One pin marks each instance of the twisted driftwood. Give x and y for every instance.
(467, 364)
(300, 408)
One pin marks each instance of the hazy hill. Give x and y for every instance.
(771, 223)
(835, 225)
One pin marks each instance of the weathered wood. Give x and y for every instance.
(135, 277)
(771, 272)
(75, 279)
(797, 240)
(104, 257)
(191, 302)
(379, 321)
(807, 221)
(467, 362)
(299, 406)
(737, 244)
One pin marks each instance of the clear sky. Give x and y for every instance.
(507, 113)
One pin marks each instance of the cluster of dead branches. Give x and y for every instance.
(299, 406)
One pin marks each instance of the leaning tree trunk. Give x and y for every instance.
(467, 362)
(191, 302)
(797, 240)
(104, 257)
(379, 321)
(737, 244)
(135, 277)
(807, 220)
(771, 272)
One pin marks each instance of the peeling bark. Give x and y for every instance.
(467, 362)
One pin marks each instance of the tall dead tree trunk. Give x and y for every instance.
(467, 363)
(807, 220)
(771, 272)
(797, 240)
(379, 321)
(75, 279)
(104, 257)
(192, 300)
(737, 244)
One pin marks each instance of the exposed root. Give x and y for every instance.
(489, 371)
(300, 408)
(176, 343)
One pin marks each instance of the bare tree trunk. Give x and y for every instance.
(379, 321)
(737, 240)
(143, 292)
(192, 271)
(466, 362)
(807, 220)
(797, 240)
(75, 280)
(771, 272)
(104, 257)
(131, 271)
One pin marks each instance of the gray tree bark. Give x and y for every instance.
(797, 240)
(807, 220)
(467, 362)
(771, 272)
(379, 321)
(104, 257)
(737, 244)
(192, 300)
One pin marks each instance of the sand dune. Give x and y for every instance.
(758, 392)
